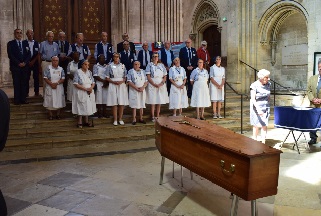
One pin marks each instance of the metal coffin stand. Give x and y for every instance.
(230, 160)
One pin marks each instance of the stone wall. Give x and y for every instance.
(13, 14)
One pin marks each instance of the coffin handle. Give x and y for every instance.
(232, 168)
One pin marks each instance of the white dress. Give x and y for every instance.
(137, 99)
(177, 97)
(71, 69)
(54, 98)
(218, 73)
(82, 103)
(117, 94)
(200, 94)
(101, 93)
(156, 95)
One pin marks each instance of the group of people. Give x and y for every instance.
(119, 79)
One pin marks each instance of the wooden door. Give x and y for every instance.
(213, 38)
(91, 17)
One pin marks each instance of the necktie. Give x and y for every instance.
(319, 86)
(146, 62)
(20, 47)
(189, 56)
(62, 46)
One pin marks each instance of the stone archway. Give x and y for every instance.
(272, 19)
(206, 15)
(283, 43)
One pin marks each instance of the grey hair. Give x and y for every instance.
(49, 32)
(263, 73)
(61, 33)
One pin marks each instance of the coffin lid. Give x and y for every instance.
(217, 136)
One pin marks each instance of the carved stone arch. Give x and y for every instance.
(206, 14)
(272, 19)
(274, 16)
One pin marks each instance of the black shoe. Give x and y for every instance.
(312, 141)
(16, 103)
(25, 102)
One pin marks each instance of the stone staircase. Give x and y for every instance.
(30, 129)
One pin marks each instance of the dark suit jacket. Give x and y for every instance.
(66, 46)
(183, 55)
(140, 57)
(5, 119)
(127, 61)
(16, 57)
(121, 48)
(36, 49)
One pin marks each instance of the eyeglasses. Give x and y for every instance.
(18, 32)
(155, 56)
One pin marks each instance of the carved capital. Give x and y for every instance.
(263, 43)
(192, 36)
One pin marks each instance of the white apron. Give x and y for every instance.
(54, 98)
(101, 93)
(178, 97)
(137, 99)
(200, 94)
(70, 86)
(84, 104)
(217, 94)
(117, 94)
(157, 95)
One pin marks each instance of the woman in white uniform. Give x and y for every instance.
(99, 73)
(137, 82)
(83, 102)
(178, 95)
(217, 77)
(71, 70)
(156, 89)
(200, 95)
(117, 93)
(54, 97)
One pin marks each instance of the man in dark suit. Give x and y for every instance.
(166, 55)
(63, 58)
(105, 48)
(19, 56)
(144, 56)
(188, 57)
(4, 130)
(34, 64)
(131, 44)
(127, 57)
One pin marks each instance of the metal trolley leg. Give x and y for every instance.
(254, 210)
(162, 171)
(235, 205)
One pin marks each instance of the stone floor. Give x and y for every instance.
(125, 183)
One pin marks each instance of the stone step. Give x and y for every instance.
(70, 131)
(130, 134)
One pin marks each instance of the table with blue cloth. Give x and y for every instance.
(303, 119)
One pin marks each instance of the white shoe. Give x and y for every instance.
(115, 123)
(219, 116)
(214, 116)
(121, 122)
(153, 119)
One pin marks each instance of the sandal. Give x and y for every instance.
(79, 125)
(88, 125)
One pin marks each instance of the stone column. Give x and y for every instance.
(14, 14)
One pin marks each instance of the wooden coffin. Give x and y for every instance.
(237, 163)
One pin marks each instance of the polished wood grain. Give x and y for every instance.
(201, 147)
